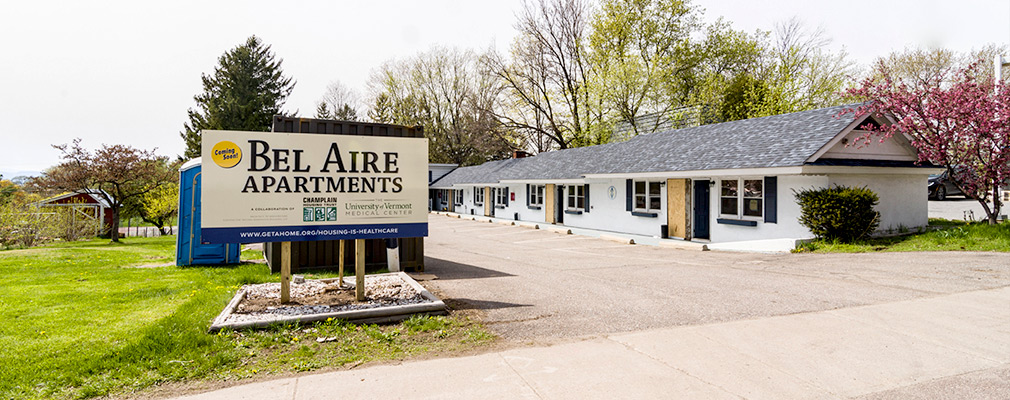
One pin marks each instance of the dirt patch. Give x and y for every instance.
(332, 296)
(261, 303)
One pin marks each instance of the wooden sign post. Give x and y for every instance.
(340, 259)
(359, 269)
(285, 272)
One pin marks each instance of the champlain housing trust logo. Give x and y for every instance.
(226, 154)
(319, 209)
(319, 214)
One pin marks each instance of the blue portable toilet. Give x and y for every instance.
(189, 246)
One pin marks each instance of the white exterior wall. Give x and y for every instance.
(468, 202)
(902, 204)
(608, 214)
(787, 225)
(903, 198)
(514, 206)
(526, 213)
(436, 171)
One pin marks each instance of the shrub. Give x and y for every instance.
(839, 213)
(23, 223)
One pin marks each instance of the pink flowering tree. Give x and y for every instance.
(957, 120)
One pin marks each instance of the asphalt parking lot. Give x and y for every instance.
(540, 286)
(958, 207)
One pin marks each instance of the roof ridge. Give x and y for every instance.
(771, 141)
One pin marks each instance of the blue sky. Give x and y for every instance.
(125, 72)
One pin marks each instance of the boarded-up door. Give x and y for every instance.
(678, 207)
(549, 204)
(487, 202)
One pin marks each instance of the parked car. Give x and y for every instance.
(941, 186)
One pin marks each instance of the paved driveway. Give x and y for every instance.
(536, 285)
(958, 207)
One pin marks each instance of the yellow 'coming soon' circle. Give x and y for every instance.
(226, 154)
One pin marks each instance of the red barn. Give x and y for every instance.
(88, 204)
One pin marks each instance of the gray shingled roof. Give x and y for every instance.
(678, 118)
(785, 140)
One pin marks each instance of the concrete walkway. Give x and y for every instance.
(619, 237)
(949, 346)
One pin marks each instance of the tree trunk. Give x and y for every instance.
(995, 204)
(159, 223)
(114, 232)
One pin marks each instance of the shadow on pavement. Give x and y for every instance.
(472, 304)
(446, 270)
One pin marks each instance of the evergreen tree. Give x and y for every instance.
(322, 111)
(345, 113)
(245, 91)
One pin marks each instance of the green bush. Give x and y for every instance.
(839, 213)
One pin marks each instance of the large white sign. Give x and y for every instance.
(273, 187)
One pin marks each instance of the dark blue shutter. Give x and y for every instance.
(585, 189)
(771, 199)
(527, 195)
(631, 195)
(507, 196)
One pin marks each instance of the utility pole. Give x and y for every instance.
(998, 63)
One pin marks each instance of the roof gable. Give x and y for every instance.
(848, 145)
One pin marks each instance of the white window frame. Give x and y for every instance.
(500, 196)
(458, 197)
(536, 195)
(646, 196)
(575, 194)
(741, 199)
(478, 196)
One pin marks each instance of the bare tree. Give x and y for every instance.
(444, 91)
(922, 68)
(548, 78)
(338, 102)
(802, 71)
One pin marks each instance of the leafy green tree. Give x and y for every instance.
(160, 205)
(655, 57)
(245, 91)
(638, 47)
(8, 190)
(796, 72)
(116, 173)
(381, 110)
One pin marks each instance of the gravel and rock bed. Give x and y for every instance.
(261, 302)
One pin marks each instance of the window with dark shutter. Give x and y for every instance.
(629, 194)
(771, 199)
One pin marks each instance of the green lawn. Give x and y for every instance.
(943, 235)
(81, 321)
(137, 221)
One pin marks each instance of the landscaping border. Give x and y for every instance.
(383, 314)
